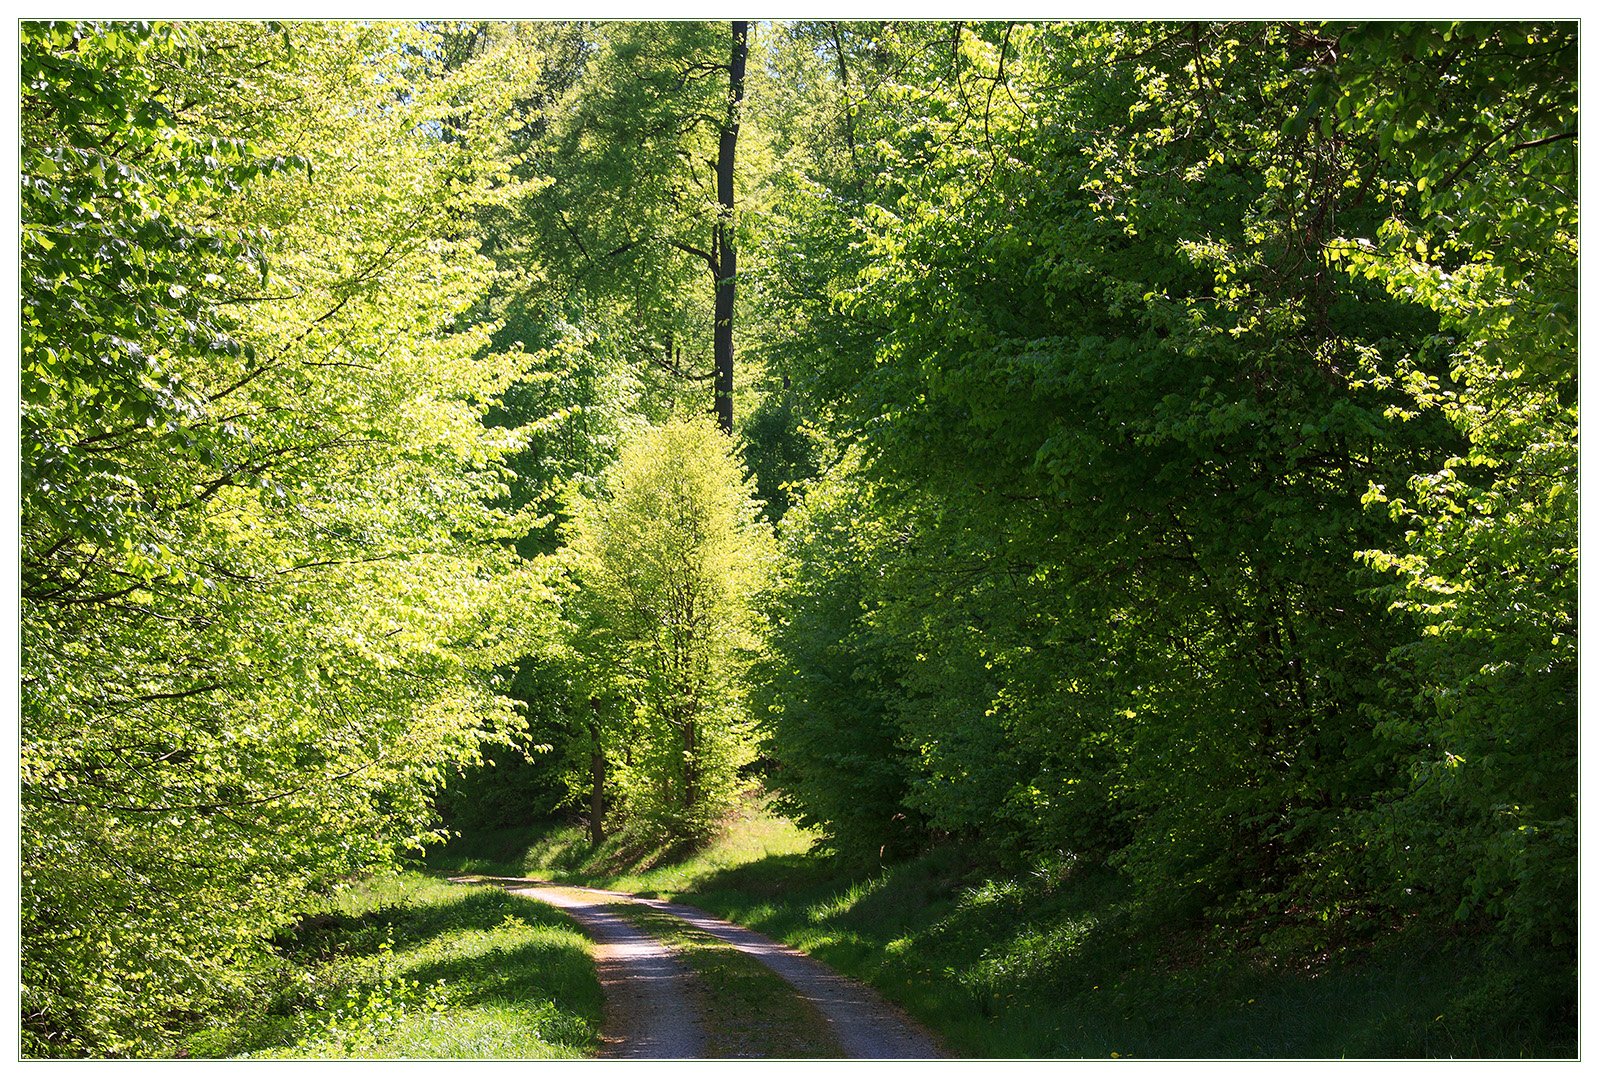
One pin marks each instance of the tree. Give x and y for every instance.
(638, 215)
(264, 593)
(829, 683)
(1092, 353)
(724, 268)
(1138, 335)
(668, 562)
(1482, 119)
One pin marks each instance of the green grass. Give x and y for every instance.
(1067, 965)
(749, 1011)
(1064, 961)
(562, 853)
(408, 966)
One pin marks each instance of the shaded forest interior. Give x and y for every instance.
(1147, 447)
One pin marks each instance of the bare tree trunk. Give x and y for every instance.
(726, 252)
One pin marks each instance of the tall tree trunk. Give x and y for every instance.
(726, 252)
(849, 106)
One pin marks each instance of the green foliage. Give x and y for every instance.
(518, 782)
(826, 684)
(781, 451)
(1127, 475)
(669, 560)
(620, 215)
(1172, 429)
(1121, 417)
(1487, 567)
(263, 597)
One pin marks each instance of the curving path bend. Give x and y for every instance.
(647, 1010)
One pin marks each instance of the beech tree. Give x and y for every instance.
(264, 594)
(669, 561)
(1139, 328)
(1483, 232)
(639, 214)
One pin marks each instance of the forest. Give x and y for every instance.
(1134, 449)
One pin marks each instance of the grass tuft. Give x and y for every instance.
(408, 966)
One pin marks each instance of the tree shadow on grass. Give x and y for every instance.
(322, 935)
(539, 970)
(789, 877)
(938, 933)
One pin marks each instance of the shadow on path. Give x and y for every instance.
(650, 986)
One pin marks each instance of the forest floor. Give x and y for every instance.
(673, 990)
(1062, 961)
(410, 966)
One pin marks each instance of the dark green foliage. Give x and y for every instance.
(779, 451)
(513, 786)
(1486, 723)
(826, 685)
(1066, 960)
(1127, 418)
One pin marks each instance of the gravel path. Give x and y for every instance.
(647, 1012)
(647, 1009)
(864, 1023)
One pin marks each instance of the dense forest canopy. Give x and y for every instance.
(1145, 443)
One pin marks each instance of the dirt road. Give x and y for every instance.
(647, 1011)
(647, 1005)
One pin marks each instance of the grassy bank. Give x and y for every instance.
(409, 966)
(563, 853)
(1064, 962)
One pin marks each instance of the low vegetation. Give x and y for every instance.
(1063, 960)
(410, 966)
(626, 861)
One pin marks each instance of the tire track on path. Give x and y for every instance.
(864, 1023)
(648, 1008)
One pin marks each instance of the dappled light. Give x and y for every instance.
(1072, 525)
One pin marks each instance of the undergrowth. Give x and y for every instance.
(625, 860)
(1064, 961)
(407, 966)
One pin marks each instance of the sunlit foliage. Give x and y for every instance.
(669, 560)
(262, 594)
